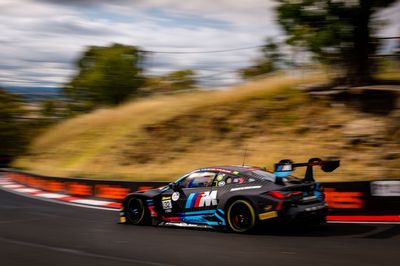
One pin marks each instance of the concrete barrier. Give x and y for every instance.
(359, 198)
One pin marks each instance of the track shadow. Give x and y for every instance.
(318, 231)
(370, 231)
(326, 230)
(389, 232)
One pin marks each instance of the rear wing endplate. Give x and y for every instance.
(286, 167)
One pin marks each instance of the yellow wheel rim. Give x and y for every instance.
(252, 215)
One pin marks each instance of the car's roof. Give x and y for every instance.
(230, 168)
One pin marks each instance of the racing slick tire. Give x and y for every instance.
(241, 216)
(136, 211)
(318, 221)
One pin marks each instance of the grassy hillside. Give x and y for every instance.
(162, 137)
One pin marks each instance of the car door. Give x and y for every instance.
(193, 197)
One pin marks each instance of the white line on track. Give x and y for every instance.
(13, 186)
(51, 195)
(27, 190)
(59, 202)
(21, 190)
(91, 202)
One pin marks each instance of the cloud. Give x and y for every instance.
(41, 39)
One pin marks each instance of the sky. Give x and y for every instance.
(41, 39)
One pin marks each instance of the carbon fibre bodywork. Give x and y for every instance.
(272, 198)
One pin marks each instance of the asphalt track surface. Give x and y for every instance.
(36, 232)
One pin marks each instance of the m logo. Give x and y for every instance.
(208, 199)
(202, 199)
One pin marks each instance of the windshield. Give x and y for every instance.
(198, 179)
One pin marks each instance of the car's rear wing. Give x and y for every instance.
(286, 167)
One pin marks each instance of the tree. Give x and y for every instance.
(53, 109)
(48, 108)
(179, 80)
(397, 51)
(337, 32)
(271, 60)
(106, 76)
(182, 79)
(13, 137)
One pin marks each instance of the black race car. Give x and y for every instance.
(236, 198)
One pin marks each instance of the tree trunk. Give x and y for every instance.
(360, 64)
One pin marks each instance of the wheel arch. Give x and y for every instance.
(226, 202)
(134, 194)
(146, 213)
(242, 198)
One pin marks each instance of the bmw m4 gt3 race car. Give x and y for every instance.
(235, 198)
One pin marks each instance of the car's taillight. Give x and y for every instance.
(283, 194)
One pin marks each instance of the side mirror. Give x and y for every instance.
(174, 186)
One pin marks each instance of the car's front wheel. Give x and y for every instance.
(241, 216)
(136, 211)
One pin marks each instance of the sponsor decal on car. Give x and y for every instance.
(201, 199)
(175, 196)
(167, 204)
(220, 177)
(267, 215)
(245, 188)
(216, 170)
(284, 168)
(153, 213)
(239, 180)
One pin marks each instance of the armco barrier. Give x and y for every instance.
(88, 188)
(344, 198)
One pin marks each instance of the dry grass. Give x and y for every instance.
(162, 137)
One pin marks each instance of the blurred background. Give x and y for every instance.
(148, 90)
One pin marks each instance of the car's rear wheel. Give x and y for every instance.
(136, 211)
(319, 220)
(241, 216)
